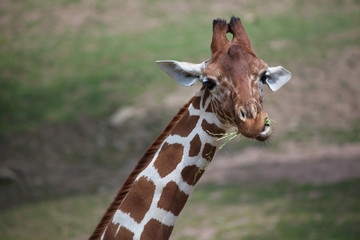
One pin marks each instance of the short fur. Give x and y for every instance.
(148, 155)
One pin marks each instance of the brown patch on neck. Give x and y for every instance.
(191, 174)
(172, 199)
(205, 97)
(136, 204)
(196, 103)
(211, 129)
(195, 146)
(143, 162)
(111, 230)
(169, 157)
(186, 125)
(208, 152)
(156, 230)
(123, 233)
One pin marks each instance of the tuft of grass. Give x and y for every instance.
(269, 121)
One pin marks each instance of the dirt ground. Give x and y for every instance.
(323, 97)
(331, 99)
(315, 165)
(328, 97)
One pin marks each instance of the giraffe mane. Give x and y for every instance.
(148, 155)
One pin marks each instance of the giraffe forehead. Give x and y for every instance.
(235, 67)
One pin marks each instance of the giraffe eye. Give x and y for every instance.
(264, 76)
(210, 84)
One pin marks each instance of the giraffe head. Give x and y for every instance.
(234, 76)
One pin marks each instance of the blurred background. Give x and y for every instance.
(81, 98)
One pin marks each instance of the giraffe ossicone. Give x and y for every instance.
(151, 199)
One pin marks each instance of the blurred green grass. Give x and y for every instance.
(273, 211)
(59, 76)
(247, 211)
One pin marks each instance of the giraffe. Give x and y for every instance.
(151, 199)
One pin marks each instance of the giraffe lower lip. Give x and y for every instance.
(266, 131)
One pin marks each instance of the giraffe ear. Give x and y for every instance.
(277, 77)
(183, 73)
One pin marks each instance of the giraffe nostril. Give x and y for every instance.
(242, 114)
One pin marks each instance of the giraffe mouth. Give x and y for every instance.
(265, 132)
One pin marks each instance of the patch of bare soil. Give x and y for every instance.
(80, 157)
(315, 165)
(325, 96)
(92, 156)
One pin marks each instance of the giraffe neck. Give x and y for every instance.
(152, 205)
